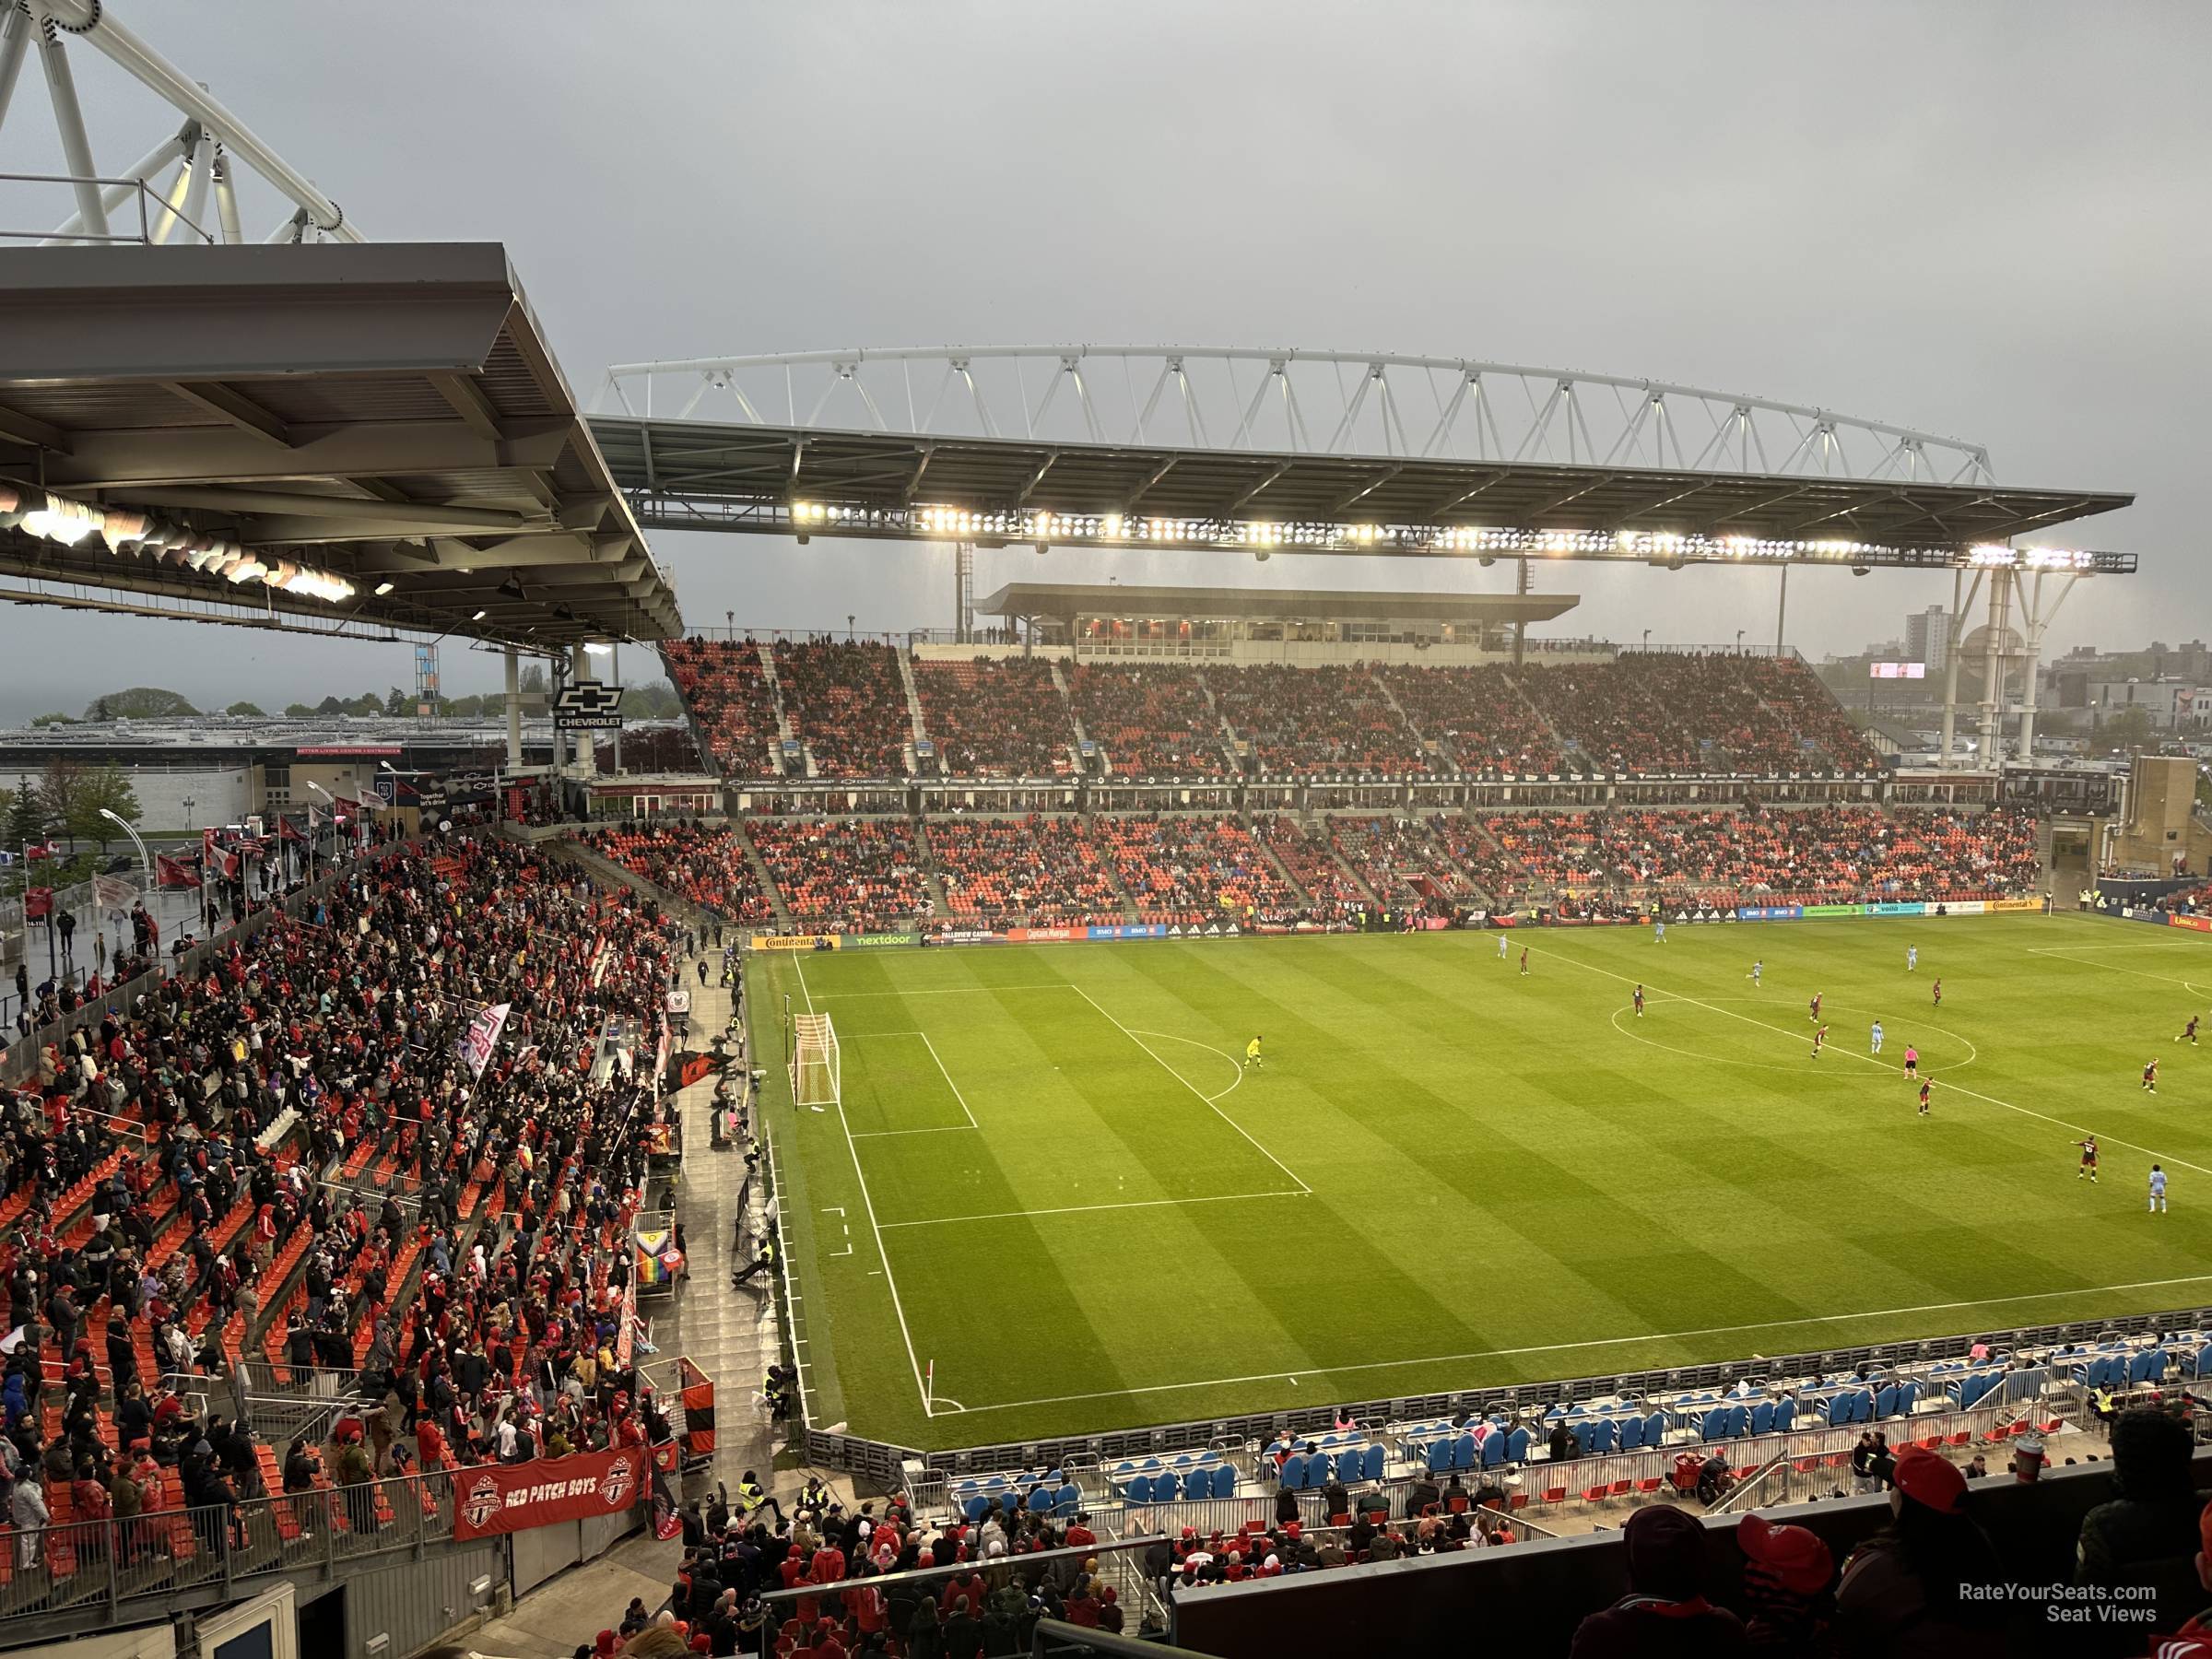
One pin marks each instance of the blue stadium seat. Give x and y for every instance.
(1885, 1400)
(1463, 1451)
(1197, 1485)
(1516, 1445)
(1371, 1464)
(1762, 1417)
(1908, 1396)
(1069, 1501)
(1598, 1436)
(1438, 1458)
(2148, 1366)
(976, 1508)
(1713, 1424)
(1224, 1484)
(1293, 1473)
(1785, 1414)
(1739, 1420)
(1655, 1429)
(1490, 1451)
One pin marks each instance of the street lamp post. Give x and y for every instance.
(145, 864)
(199, 900)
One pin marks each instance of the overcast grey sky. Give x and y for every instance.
(1987, 221)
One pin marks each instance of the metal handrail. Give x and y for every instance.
(138, 187)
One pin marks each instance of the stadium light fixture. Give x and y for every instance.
(598, 648)
(478, 617)
(382, 588)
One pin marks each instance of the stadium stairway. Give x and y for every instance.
(916, 732)
(760, 872)
(775, 696)
(1445, 765)
(1074, 720)
(1274, 859)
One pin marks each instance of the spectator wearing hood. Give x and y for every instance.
(1900, 1595)
(2145, 1537)
(1664, 1613)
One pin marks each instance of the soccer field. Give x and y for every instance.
(1053, 1179)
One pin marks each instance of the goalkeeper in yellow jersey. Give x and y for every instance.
(1252, 1054)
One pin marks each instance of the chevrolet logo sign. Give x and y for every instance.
(588, 706)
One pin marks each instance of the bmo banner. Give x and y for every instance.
(504, 1498)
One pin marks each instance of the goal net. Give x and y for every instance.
(814, 1075)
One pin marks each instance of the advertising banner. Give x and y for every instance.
(1768, 913)
(508, 1498)
(878, 941)
(1961, 907)
(1128, 930)
(1835, 910)
(795, 941)
(2156, 918)
(2195, 924)
(2014, 904)
(1045, 936)
(699, 1408)
(1897, 910)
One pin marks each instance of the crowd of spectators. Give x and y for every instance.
(1045, 871)
(1190, 870)
(846, 702)
(999, 717)
(282, 1158)
(1642, 712)
(2188, 901)
(1334, 895)
(1404, 863)
(1483, 723)
(852, 1568)
(725, 685)
(1826, 855)
(1150, 722)
(1314, 721)
(853, 875)
(706, 865)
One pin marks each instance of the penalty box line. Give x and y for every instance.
(2150, 1152)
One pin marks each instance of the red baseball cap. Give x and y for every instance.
(1793, 1557)
(1930, 1479)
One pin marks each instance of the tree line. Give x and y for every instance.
(653, 700)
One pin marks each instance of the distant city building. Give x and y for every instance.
(1928, 638)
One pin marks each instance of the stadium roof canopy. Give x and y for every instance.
(1065, 601)
(804, 480)
(345, 433)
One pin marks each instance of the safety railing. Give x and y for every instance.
(158, 217)
(69, 1565)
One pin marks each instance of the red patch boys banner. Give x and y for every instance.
(505, 1498)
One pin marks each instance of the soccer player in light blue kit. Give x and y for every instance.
(2157, 1189)
(1502, 946)
(1659, 930)
(1758, 968)
(1877, 1035)
(1912, 958)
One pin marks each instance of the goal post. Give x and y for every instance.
(816, 1075)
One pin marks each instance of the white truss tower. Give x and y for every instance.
(182, 172)
(1292, 402)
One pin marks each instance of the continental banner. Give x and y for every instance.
(2011, 905)
(797, 941)
(505, 1498)
(877, 941)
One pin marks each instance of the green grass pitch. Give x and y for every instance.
(1053, 1178)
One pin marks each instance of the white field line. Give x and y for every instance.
(1598, 1342)
(1179, 1077)
(1236, 1071)
(884, 1256)
(944, 990)
(1086, 1209)
(949, 1082)
(2164, 1158)
(2066, 954)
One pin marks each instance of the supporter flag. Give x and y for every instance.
(112, 892)
(175, 872)
(287, 830)
(38, 904)
(38, 850)
(686, 1066)
(346, 809)
(667, 1522)
(699, 1408)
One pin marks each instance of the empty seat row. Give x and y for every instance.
(1191, 1486)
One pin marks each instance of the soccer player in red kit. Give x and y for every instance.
(1924, 1099)
(1939, 993)
(1815, 1014)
